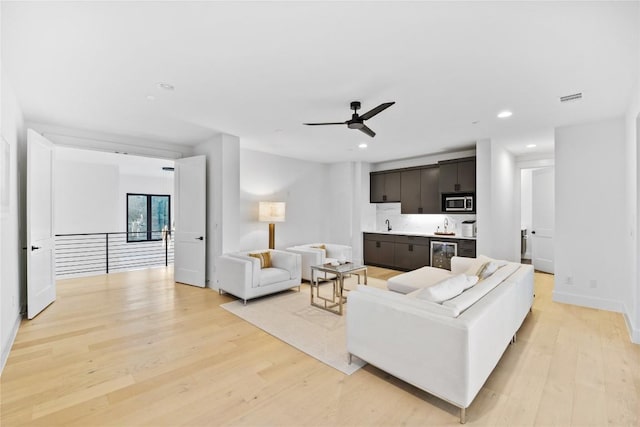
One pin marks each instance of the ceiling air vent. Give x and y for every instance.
(572, 97)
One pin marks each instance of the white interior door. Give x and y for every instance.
(190, 194)
(41, 282)
(542, 219)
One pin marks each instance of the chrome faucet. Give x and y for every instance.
(388, 225)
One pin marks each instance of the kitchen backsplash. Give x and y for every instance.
(416, 223)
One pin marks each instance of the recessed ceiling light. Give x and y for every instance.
(531, 145)
(151, 98)
(166, 86)
(504, 114)
(475, 122)
(363, 145)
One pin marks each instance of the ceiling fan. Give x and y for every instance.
(357, 121)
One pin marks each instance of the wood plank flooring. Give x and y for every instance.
(134, 348)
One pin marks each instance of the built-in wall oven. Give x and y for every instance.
(442, 252)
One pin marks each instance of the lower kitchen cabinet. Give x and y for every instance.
(409, 256)
(403, 252)
(467, 248)
(379, 249)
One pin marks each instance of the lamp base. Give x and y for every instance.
(272, 236)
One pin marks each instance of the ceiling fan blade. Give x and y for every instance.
(368, 131)
(322, 124)
(378, 109)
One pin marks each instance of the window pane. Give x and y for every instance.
(159, 215)
(137, 217)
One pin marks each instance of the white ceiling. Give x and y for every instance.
(258, 70)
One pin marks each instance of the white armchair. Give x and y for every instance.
(242, 275)
(313, 254)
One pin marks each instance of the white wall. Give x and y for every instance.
(631, 255)
(590, 215)
(223, 198)
(505, 204)
(483, 198)
(12, 294)
(86, 198)
(90, 189)
(304, 186)
(498, 201)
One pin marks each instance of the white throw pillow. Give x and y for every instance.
(489, 269)
(483, 267)
(471, 280)
(445, 289)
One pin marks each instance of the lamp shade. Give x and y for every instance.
(271, 211)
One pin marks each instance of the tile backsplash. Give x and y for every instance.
(421, 223)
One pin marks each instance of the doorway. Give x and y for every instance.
(537, 215)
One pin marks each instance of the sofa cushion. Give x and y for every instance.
(447, 288)
(417, 279)
(409, 301)
(271, 275)
(469, 297)
(264, 257)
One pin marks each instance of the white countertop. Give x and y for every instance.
(411, 233)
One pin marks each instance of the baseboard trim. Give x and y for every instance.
(6, 347)
(588, 301)
(634, 333)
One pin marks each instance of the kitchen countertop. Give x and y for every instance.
(432, 235)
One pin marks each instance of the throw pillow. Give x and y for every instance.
(488, 269)
(264, 257)
(444, 290)
(483, 267)
(471, 280)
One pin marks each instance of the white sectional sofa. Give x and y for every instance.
(242, 275)
(313, 254)
(448, 349)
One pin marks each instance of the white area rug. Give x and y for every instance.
(290, 317)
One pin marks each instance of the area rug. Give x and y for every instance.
(289, 317)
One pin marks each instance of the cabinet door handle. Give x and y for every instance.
(457, 187)
(419, 210)
(410, 248)
(377, 244)
(384, 198)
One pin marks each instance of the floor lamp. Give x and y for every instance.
(271, 212)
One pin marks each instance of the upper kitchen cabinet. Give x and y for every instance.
(419, 191)
(384, 187)
(458, 175)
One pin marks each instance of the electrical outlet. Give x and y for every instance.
(593, 283)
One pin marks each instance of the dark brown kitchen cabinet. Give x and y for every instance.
(411, 252)
(384, 187)
(379, 249)
(467, 248)
(458, 175)
(419, 191)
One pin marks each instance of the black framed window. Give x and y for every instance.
(147, 216)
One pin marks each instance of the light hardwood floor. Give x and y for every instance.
(134, 348)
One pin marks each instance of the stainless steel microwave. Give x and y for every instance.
(458, 203)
